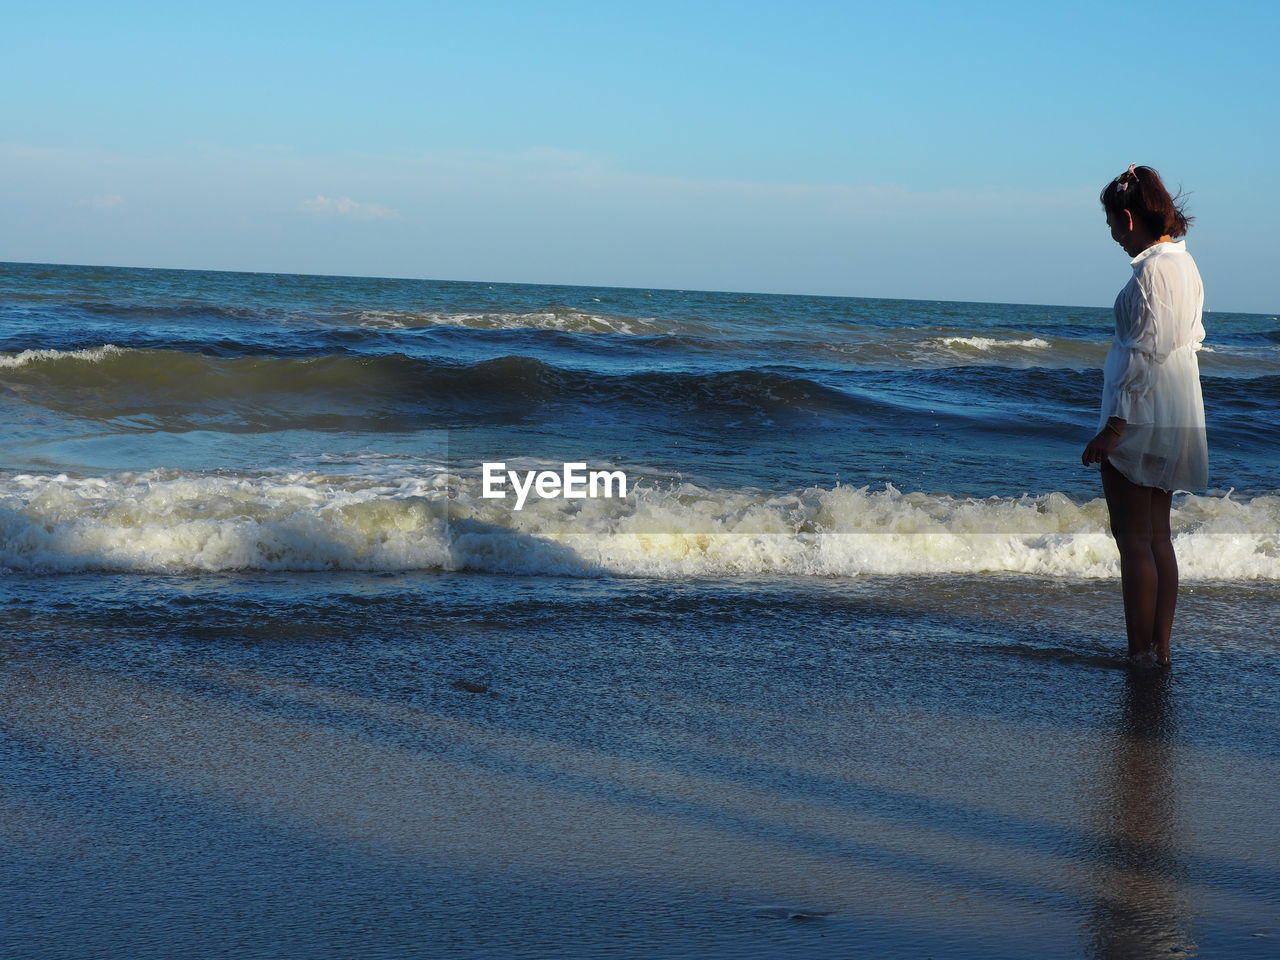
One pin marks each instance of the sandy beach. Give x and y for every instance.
(817, 772)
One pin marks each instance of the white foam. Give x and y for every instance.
(168, 522)
(990, 343)
(568, 321)
(91, 354)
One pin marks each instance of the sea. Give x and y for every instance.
(252, 495)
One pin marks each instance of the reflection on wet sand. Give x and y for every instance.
(1140, 906)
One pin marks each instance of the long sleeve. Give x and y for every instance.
(1146, 336)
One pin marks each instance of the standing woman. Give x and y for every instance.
(1151, 436)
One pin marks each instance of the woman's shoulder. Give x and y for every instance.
(1169, 282)
(1162, 254)
(1164, 261)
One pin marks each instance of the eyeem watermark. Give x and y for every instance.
(573, 482)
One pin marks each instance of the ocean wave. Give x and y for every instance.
(12, 361)
(159, 312)
(1076, 387)
(169, 522)
(178, 390)
(562, 319)
(173, 389)
(1059, 352)
(986, 344)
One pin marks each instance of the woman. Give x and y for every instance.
(1151, 438)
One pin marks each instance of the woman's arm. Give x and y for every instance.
(1148, 340)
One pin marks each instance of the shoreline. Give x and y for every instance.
(664, 770)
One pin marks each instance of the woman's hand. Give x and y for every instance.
(1100, 447)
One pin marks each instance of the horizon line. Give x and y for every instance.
(584, 286)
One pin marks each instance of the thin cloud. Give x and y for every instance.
(346, 207)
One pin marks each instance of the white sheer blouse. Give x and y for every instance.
(1151, 377)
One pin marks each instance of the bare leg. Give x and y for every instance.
(1166, 574)
(1130, 509)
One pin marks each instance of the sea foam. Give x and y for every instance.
(169, 522)
(562, 319)
(990, 343)
(26, 357)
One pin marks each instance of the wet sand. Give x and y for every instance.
(669, 771)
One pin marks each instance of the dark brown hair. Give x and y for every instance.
(1143, 194)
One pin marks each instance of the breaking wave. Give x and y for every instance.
(171, 522)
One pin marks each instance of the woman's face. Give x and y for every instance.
(1119, 227)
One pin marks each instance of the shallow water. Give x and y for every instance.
(285, 765)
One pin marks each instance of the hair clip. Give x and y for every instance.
(1122, 184)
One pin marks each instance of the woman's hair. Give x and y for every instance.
(1141, 191)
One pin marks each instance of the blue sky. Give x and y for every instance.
(919, 150)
